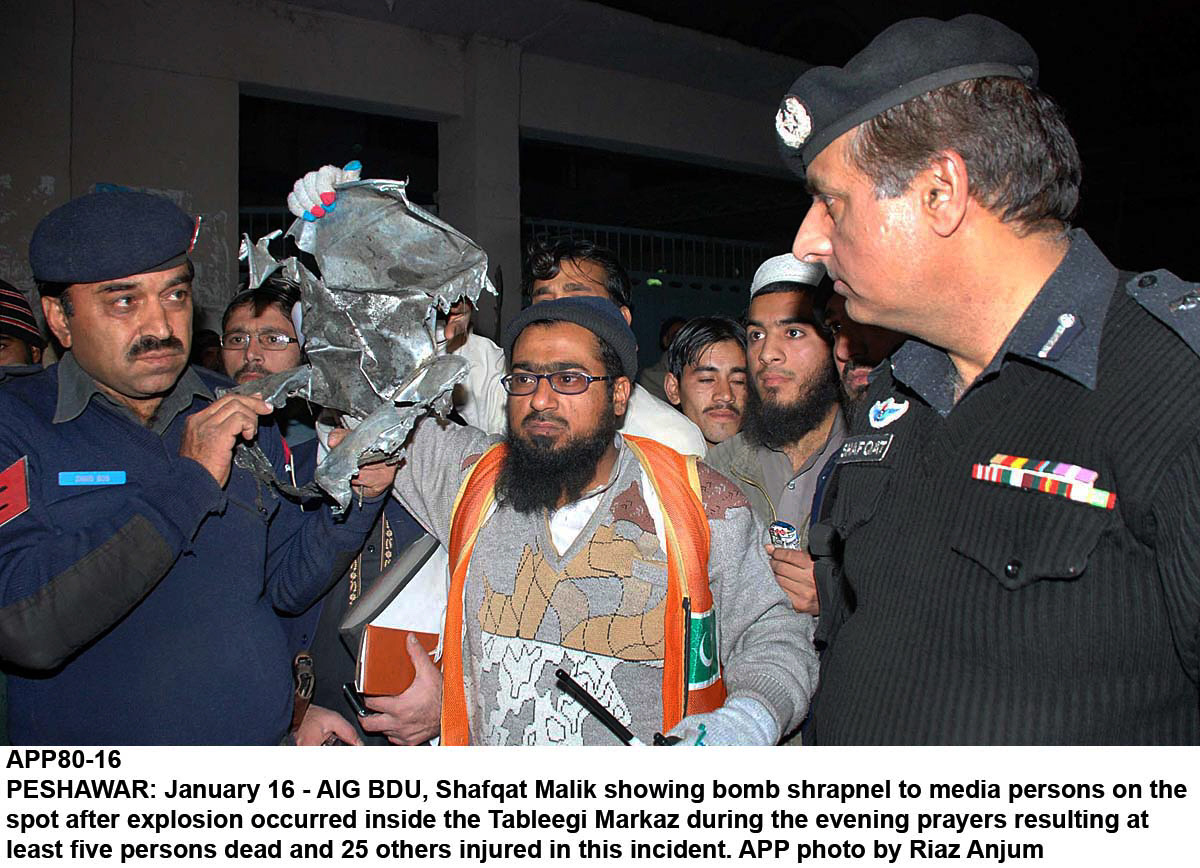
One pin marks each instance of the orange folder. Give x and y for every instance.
(384, 667)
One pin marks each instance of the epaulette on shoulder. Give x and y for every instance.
(13, 372)
(1172, 301)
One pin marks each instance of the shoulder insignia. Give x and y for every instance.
(884, 413)
(14, 490)
(718, 493)
(1172, 301)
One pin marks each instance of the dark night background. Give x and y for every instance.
(1126, 74)
(1127, 80)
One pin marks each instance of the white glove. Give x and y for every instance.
(740, 721)
(313, 195)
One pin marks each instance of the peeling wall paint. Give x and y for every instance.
(23, 200)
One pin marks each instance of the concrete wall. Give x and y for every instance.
(157, 85)
(573, 102)
(145, 94)
(35, 150)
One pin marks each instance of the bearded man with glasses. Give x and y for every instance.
(610, 558)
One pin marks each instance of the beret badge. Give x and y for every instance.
(793, 123)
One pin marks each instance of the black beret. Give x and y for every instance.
(908, 59)
(598, 315)
(103, 236)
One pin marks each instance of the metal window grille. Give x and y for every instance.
(679, 261)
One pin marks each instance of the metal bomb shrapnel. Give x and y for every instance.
(385, 267)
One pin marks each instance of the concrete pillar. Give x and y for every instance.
(479, 189)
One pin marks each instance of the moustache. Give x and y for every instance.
(763, 368)
(250, 368)
(769, 370)
(150, 344)
(542, 416)
(733, 408)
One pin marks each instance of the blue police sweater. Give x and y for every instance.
(154, 598)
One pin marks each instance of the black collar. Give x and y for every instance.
(1060, 330)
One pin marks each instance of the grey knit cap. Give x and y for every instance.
(598, 315)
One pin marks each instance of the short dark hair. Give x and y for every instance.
(666, 327)
(203, 339)
(697, 335)
(50, 289)
(544, 257)
(275, 292)
(1022, 161)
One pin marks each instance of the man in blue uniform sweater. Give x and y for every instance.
(140, 569)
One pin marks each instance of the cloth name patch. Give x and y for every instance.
(865, 447)
(91, 477)
(1049, 477)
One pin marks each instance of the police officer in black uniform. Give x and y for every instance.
(1010, 551)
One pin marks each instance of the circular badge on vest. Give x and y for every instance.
(793, 123)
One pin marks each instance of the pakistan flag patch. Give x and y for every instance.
(704, 667)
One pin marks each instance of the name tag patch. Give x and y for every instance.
(865, 447)
(91, 477)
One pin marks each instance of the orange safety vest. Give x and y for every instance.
(691, 677)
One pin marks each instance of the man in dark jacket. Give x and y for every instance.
(139, 567)
(1011, 551)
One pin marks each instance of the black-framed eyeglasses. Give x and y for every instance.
(267, 340)
(563, 382)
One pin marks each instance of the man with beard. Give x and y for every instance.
(857, 350)
(572, 268)
(706, 375)
(140, 569)
(559, 557)
(793, 424)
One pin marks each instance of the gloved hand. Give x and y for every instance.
(740, 721)
(313, 195)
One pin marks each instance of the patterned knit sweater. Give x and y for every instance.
(596, 609)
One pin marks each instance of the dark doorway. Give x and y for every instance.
(280, 140)
(690, 235)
